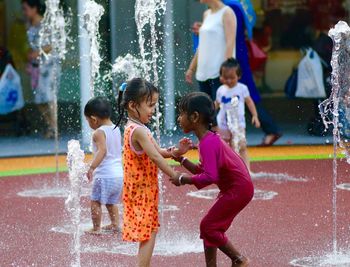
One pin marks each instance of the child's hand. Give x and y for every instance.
(185, 144)
(255, 121)
(175, 180)
(90, 173)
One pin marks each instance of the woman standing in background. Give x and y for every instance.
(222, 36)
(40, 68)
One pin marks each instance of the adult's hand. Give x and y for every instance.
(195, 27)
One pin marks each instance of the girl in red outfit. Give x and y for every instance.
(219, 165)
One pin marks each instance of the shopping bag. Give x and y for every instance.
(310, 76)
(257, 57)
(291, 84)
(11, 96)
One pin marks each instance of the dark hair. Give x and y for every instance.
(231, 63)
(98, 106)
(201, 103)
(136, 90)
(36, 3)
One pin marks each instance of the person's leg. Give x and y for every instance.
(96, 216)
(225, 135)
(210, 256)
(114, 217)
(47, 112)
(146, 251)
(269, 127)
(214, 85)
(236, 257)
(267, 123)
(243, 152)
(220, 216)
(205, 87)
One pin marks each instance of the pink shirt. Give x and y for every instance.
(220, 165)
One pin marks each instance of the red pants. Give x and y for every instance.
(219, 218)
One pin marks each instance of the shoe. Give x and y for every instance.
(271, 140)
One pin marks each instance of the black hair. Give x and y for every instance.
(40, 6)
(98, 106)
(136, 90)
(201, 103)
(231, 63)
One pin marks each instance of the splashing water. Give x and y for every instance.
(333, 259)
(125, 68)
(91, 17)
(337, 107)
(53, 34)
(54, 31)
(277, 177)
(232, 115)
(336, 111)
(213, 193)
(77, 169)
(146, 12)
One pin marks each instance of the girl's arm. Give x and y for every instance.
(141, 138)
(217, 105)
(230, 25)
(184, 145)
(190, 166)
(251, 106)
(99, 139)
(192, 68)
(208, 171)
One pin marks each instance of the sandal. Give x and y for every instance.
(271, 141)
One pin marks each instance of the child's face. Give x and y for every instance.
(93, 122)
(229, 77)
(146, 108)
(184, 122)
(28, 11)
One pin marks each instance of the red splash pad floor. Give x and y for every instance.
(296, 223)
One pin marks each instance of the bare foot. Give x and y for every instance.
(111, 228)
(241, 261)
(92, 231)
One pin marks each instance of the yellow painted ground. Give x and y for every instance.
(255, 153)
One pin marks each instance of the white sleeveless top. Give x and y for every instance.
(212, 45)
(111, 165)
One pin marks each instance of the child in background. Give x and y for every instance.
(230, 73)
(142, 157)
(106, 167)
(219, 165)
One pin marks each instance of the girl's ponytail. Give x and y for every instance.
(121, 90)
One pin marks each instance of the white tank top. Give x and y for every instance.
(111, 165)
(212, 45)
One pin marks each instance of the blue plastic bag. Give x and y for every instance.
(11, 96)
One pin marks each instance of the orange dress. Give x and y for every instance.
(140, 192)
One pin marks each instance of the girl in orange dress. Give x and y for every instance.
(142, 157)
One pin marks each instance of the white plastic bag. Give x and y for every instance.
(310, 76)
(11, 96)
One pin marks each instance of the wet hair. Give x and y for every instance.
(99, 107)
(201, 103)
(136, 90)
(231, 63)
(40, 6)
